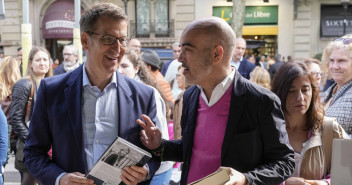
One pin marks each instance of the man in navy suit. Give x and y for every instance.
(81, 113)
(227, 121)
(243, 66)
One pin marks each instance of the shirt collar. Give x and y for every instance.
(86, 80)
(225, 84)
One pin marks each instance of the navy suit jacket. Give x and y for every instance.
(57, 122)
(255, 142)
(59, 70)
(274, 68)
(165, 67)
(245, 68)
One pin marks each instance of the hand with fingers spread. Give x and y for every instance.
(236, 177)
(132, 175)
(150, 135)
(75, 178)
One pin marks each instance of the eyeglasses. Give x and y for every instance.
(316, 74)
(111, 40)
(67, 54)
(345, 41)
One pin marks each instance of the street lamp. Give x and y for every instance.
(345, 4)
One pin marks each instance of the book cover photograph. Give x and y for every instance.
(121, 153)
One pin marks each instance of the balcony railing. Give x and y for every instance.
(157, 28)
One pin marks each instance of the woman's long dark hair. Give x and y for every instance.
(281, 85)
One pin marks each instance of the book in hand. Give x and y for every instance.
(219, 177)
(121, 153)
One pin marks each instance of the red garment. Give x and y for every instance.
(164, 85)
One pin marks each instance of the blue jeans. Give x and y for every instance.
(162, 179)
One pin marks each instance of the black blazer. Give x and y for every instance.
(246, 68)
(255, 142)
(274, 68)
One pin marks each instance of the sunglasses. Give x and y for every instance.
(345, 41)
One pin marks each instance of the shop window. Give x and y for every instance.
(56, 46)
(156, 22)
(161, 17)
(143, 18)
(261, 45)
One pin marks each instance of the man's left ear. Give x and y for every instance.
(217, 53)
(84, 40)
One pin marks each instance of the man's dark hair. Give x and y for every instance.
(153, 68)
(19, 49)
(249, 56)
(90, 16)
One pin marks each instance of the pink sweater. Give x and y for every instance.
(208, 137)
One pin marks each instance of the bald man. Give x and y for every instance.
(135, 45)
(227, 121)
(243, 66)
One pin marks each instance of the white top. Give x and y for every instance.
(170, 76)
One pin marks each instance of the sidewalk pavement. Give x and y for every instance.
(11, 175)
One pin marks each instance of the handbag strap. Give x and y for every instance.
(29, 103)
(328, 139)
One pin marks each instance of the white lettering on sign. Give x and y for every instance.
(258, 14)
(261, 14)
(337, 23)
(59, 24)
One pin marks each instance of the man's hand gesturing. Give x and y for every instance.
(150, 135)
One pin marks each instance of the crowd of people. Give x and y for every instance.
(261, 119)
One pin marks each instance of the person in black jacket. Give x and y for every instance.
(70, 63)
(38, 68)
(273, 68)
(227, 121)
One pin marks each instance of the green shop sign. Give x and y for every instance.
(254, 15)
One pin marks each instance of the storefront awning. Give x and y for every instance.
(58, 21)
(260, 30)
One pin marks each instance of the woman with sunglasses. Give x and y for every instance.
(337, 99)
(304, 116)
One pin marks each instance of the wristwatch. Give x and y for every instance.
(160, 150)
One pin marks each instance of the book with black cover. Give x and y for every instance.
(121, 153)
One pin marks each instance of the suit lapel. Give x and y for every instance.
(191, 121)
(238, 102)
(242, 66)
(125, 104)
(73, 95)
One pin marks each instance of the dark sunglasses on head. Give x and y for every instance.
(345, 41)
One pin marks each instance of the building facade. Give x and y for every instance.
(299, 28)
